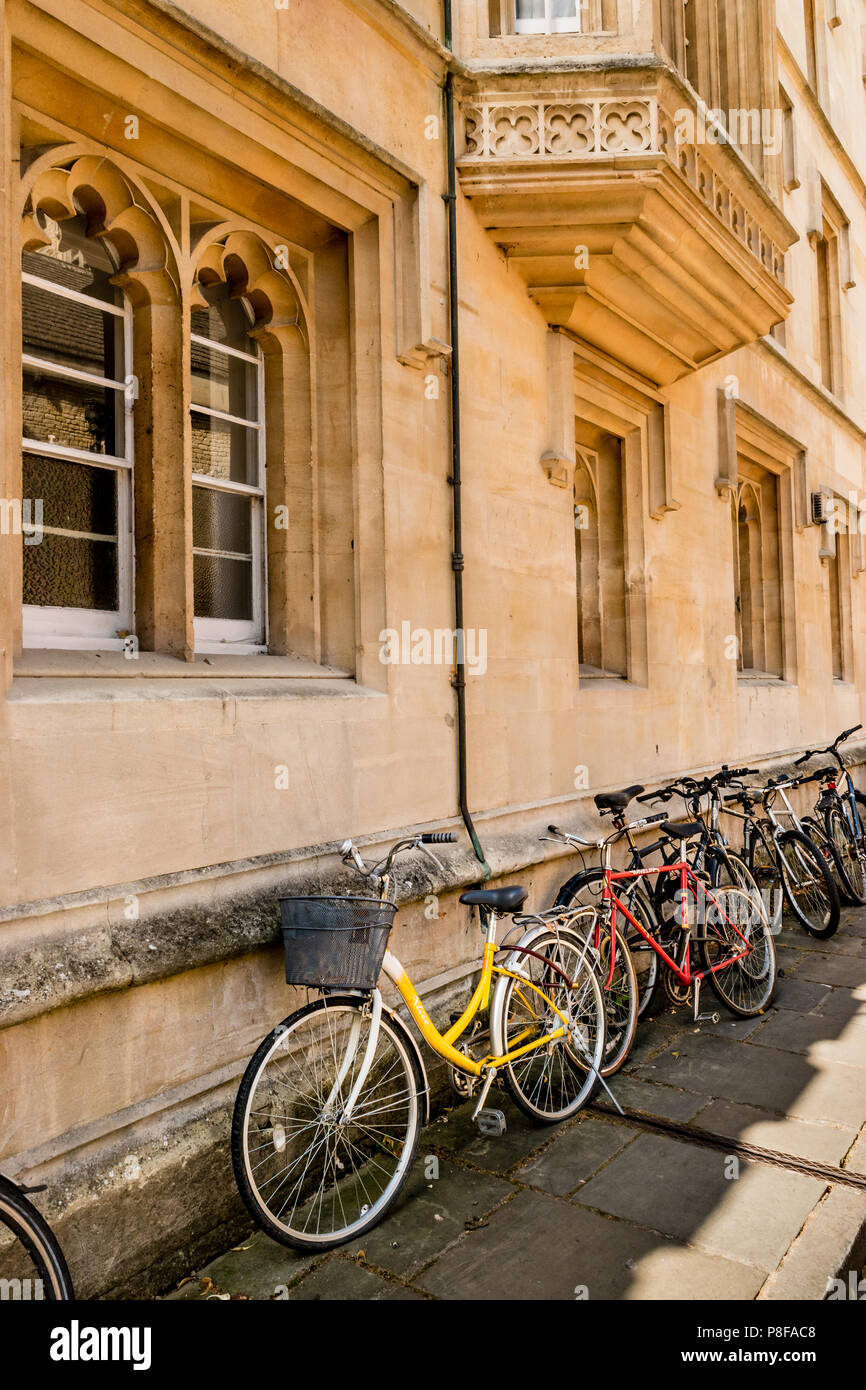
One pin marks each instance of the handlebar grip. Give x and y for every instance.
(439, 837)
(805, 758)
(555, 830)
(849, 732)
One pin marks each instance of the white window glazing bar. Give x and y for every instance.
(224, 415)
(66, 451)
(71, 373)
(65, 293)
(226, 485)
(222, 347)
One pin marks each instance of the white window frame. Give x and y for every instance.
(550, 24)
(231, 635)
(89, 629)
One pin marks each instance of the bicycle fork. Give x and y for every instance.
(348, 1061)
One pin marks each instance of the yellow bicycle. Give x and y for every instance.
(331, 1106)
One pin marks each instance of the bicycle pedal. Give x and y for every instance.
(708, 1018)
(491, 1123)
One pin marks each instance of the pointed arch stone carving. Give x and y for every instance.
(118, 212)
(253, 270)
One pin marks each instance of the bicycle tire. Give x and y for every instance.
(824, 887)
(764, 868)
(586, 887)
(349, 1188)
(846, 856)
(620, 1001)
(755, 972)
(528, 1077)
(31, 1231)
(740, 876)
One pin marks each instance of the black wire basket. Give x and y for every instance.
(335, 942)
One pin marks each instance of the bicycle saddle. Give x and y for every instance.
(683, 829)
(510, 899)
(616, 801)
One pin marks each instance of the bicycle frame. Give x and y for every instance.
(686, 975)
(444, 1043)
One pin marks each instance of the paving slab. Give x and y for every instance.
(456, 1132)
(254, 1269)
(800, 996)
(832, 969)
(831, 1037)
(667, 1103)
(768, 1077)
(575, 1155)
(847, 1003)
(430, 1214)
(827, 1246)
(343, 1280)
(746, 1210)
(537, 1247)
(781, 1133)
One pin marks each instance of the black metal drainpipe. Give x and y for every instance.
(459, 681)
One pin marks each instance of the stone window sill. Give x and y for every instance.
(74, 665)
(63, 676)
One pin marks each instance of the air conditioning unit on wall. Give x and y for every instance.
(820, 508)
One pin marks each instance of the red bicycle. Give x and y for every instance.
(734, 944)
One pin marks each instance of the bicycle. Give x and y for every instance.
(710, 859)
(330, 1107)
(842, 823)
(792, 855)
(32, 1266)
(739, 965)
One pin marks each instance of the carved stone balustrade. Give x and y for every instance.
(633, 221)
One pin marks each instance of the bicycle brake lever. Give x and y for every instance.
(430, 855)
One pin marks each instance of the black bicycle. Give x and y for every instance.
(788, 856)
(838, 819)
(32, 1267)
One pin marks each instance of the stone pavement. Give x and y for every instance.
(738, 1172)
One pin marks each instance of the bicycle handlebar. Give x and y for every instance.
(439, 837)
(831, 747)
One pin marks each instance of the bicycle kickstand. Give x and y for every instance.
(699, 1017)
(489, 1122)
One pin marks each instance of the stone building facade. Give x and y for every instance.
(230, 644)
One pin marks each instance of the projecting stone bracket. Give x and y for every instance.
(559, 469)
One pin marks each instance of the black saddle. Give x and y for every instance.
(683, 829)
(510, 899)
(616, 801)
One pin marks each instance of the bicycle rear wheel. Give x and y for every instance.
(31, 1261)
(310, 1176)
(552, 1082)
(808, 884)
(737, 928)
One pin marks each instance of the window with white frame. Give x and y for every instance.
(77, 444)
(228, 453)
(548, 16)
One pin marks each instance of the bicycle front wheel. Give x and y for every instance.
(808, 884)
(736, 930)
(31, 1261)
(553, 1081)
(310, 1174)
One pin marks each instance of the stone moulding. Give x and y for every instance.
(665, 254)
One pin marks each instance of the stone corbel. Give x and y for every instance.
(559, 468)
(726, 479)
(421, 354)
